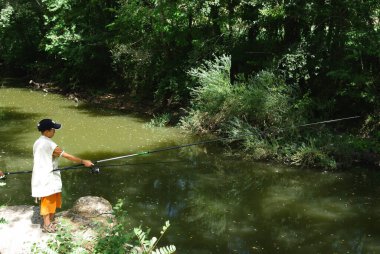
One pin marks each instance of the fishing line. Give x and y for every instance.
(143, 163)
(327, 121)
(213, 140)
(96, 169)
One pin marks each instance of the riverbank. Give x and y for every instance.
(319, 147)
(107, 100)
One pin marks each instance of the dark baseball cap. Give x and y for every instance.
(47, 124)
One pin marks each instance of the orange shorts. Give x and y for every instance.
(50, 203)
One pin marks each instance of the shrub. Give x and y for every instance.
(118, 239)
(256, 144)
(114, 239)
(262, 100)
(159, 121)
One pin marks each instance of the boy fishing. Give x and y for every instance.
(47, 183)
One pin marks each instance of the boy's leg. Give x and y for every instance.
(48, 207)
(46, 220)
(52, 218)
(58, 204)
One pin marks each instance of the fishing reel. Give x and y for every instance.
(95, 169)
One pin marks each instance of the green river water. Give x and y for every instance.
(216, 204)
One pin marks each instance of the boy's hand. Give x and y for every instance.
(87, 163)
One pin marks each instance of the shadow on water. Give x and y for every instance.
(13, 124)
(95, 110)
(13, 82)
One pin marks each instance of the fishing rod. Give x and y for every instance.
(96, 169)
(30, 171)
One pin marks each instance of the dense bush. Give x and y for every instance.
(262, 100)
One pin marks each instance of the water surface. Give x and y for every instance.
(215, 203)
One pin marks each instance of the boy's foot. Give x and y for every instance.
(49, 228)
(55, 222)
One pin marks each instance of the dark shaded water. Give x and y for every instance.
(215, 204)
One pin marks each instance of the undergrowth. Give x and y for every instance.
(264, 112)
(111, 239)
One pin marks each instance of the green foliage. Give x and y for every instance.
(293, 65)
(5, 16)
(273, 11)
(20, 34)
(349, 149)
(63, 242)
(310, 156)
(117, 239)
(114, 239)
(262, 100)
(147, 246)
(255, 144)
(75, 39)
(159, 121)
(61, 37)
(2, 220)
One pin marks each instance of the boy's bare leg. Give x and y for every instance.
(52, 217)
(46, 220)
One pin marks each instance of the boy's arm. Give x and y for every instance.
(59, 152)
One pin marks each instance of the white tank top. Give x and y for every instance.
(45, 181)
